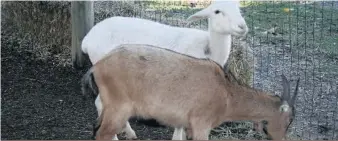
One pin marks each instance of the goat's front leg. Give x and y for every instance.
(115, 137)
(189, 133)
(179, 134)
(258, 126)
(130, 133)
(200, 133)
(200, 130)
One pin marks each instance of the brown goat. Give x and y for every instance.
(180, 91)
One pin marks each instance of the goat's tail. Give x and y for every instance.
(88, 82)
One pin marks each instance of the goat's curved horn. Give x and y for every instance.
(292, 100)
(286, 89)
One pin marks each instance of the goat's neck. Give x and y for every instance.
(220, 46)
(247, 104)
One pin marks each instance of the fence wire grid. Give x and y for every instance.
(296, 38)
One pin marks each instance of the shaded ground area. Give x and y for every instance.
(40, 101)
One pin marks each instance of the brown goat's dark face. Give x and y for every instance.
(278, 125)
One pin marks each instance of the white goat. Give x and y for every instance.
(179, 91)
(224, 19)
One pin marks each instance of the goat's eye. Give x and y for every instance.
(217, 11)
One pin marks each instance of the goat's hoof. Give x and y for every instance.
(131, 137)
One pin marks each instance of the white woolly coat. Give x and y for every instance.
(112, 32)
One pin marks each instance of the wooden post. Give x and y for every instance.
(82, 14)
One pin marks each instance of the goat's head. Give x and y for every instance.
(278, 125)
(224, 18)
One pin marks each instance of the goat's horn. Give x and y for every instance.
(286, 89)
(292, 101)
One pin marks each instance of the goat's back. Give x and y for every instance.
(160, 83)
(112, 32)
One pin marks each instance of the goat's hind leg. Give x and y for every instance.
(98, 105)
(109, 127)
(130, 133)
(113, 122)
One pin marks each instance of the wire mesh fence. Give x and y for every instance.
(295, 38)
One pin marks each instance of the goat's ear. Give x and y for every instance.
(203, 14)
(292, 100)
(286, 89)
